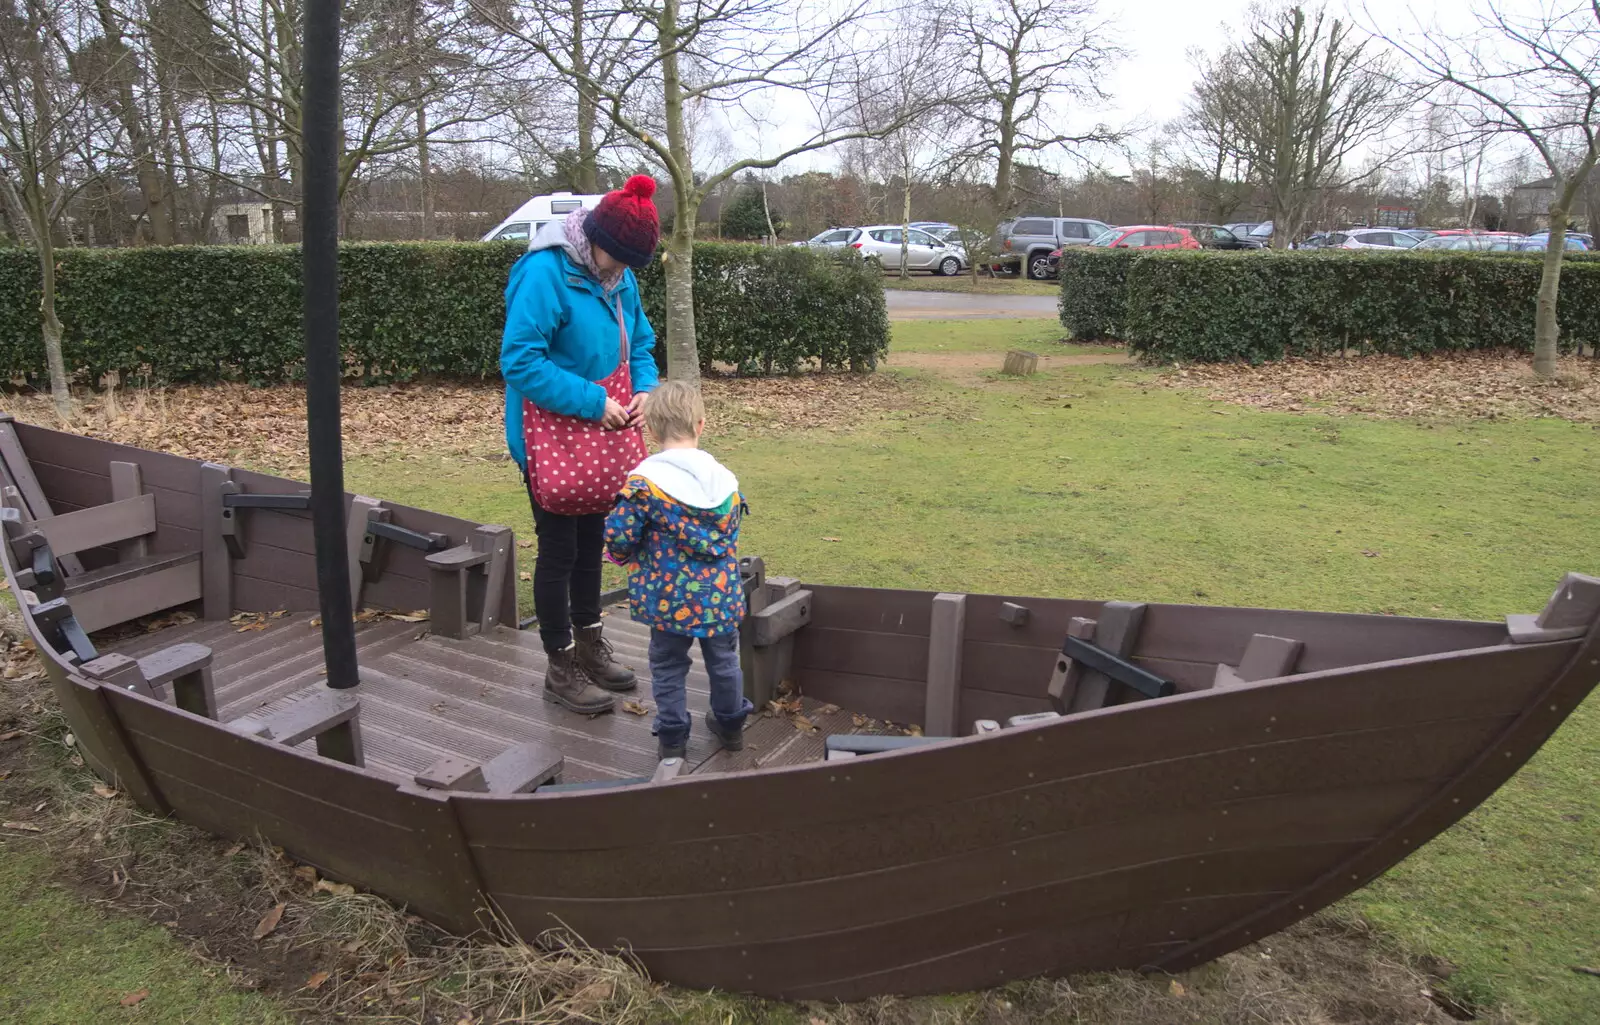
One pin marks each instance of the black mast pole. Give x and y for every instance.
(320, 228)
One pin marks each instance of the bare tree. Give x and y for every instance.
(677, 58)
(1028, 59)
(47, 120)
(1309, 94)
(1533, 77)
(1213, 128)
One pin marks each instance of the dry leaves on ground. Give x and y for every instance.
(265, 428)
(269, 922)
(137, 996)
(1474, 385)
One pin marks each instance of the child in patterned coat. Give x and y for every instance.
(676, 527)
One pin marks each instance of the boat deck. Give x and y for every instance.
(424, 697)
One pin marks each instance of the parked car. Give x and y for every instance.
(1241, 228)
(1315, 240)
(1216, 236)
(833, 238)
(1261, 233)
(1370, 238)
(1539, 243)
(881, 244)
(1469, 243)
(1147, 236)
(1026, 243)
(1586, 238)
(528, 218)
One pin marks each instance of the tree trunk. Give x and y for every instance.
(1002, 172)
(424, 167)
(1546, 329)
(905, 233)
(50, 324)
(587, 175)
(683, 354)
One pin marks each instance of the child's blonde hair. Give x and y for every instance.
(674, 410)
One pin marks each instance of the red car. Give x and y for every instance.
(1147, 236)
(1139, 236)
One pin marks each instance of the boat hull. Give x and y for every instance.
(1147, 834)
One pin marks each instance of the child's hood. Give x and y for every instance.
(690, 477)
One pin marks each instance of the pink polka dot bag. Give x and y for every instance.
(576, 467)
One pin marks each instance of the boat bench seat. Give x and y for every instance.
(519, 769)
(137, 584)
(186, 666)
(1265, 658)
(332, 717)
(667, 768)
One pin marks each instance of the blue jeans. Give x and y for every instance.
(669, 671)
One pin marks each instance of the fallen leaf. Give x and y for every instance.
(803, 724)
(351, 946)
(524, 544)
(858, 720)
(1369, 553)
(1175, 988)
(10, 735)
(419, 616)
(913, 730)
(26, 827)
(306, 874)
(828, 710)
(524, 575)
(102, 790)
(337, 889)
(231, 851)
(832, 539)
(316, 980)
(5, 774)
(637, 708)
(135, 997)
(269, 922)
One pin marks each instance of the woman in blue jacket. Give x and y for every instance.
(567, 303)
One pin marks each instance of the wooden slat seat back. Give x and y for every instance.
(136, 583)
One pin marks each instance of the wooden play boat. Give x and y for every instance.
(1118, 785)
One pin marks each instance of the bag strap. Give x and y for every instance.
(623, 329)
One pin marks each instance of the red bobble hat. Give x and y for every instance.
(626, 224)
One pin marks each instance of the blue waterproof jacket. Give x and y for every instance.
(561, 336)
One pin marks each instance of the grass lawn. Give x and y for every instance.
(984, 285)
(1094, 481)
(67, 964)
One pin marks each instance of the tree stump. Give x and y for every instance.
(1020, 364)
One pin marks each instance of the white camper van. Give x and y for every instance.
(536, 213)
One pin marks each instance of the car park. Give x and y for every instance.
(1026, 243)
(1469, 243)
(1539, 243)
(1217, 236)
(1241, 228)
(881, 243)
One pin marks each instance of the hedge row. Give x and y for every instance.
(1215, 307)
(207, 313)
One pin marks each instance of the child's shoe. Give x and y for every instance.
(665, 750)
(730, 740)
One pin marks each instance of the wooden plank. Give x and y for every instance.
(522, 767)
(98, 525)
(499, 542)
(106, 734)
(357, 516)
(453, 772)
(895, 656)
(1067, 673)
(873, 609)
(128, 599)
(19, 473)
(216, 562)
(851, 899)
(127, 482)
(780, 618)
(901, 701)
(1116, 631)
(1265, 658)
(943, 697)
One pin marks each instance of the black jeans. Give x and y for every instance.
(566, 573)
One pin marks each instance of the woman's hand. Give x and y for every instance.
(636, 405)
(615, 416)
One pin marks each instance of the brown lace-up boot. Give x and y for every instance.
(599, 661)
(566, 683)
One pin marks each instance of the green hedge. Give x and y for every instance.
(207, 313)
(1256, 306)
(1094, 284)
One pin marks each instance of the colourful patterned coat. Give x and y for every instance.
(683, 563)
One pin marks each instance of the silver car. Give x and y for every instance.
(881, 243)
(833, 238)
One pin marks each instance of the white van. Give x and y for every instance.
(536, 213)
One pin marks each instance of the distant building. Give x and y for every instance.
(245, 224)
(1529, 205)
